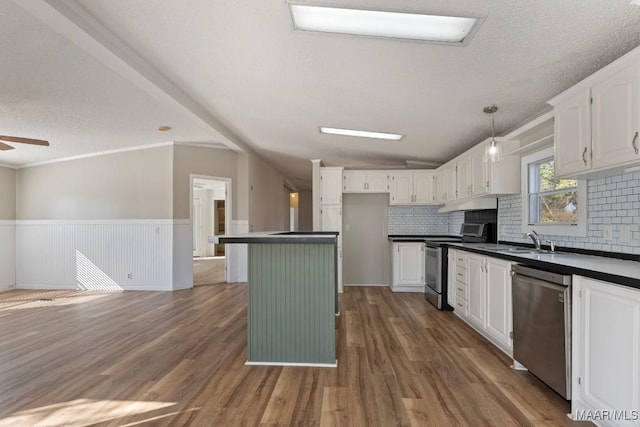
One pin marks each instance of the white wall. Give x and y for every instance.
(121, 221)
(7, 228)
(102, 222)
(305, 211)
(268, 201)
(187, 161)
(127, 185)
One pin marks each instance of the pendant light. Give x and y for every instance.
(493, 151)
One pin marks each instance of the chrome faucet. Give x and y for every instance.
(534, 236)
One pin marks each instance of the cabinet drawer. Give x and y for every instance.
(461, 306)
(461, 290)
(461, 260)
(461, 275)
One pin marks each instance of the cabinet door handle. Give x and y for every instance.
(634, 143)
(584, 156)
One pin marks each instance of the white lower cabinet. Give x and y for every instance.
(477, 284)
(451, 278)
(499, 312)
(408, 267)
(483, 297)
(606, 353)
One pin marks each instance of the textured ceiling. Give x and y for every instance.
(272, 87)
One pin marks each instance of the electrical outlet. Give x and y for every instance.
(625, 233)
(130, 276)
(607, 232)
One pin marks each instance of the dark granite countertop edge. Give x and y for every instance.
(321, 237)
(631, 282)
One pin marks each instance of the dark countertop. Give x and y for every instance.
(418, 237)
(322, 237)
(619, 271)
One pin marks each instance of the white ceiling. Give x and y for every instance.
(235, 72)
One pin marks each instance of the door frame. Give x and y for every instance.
(227, 208)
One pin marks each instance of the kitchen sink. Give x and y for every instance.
(517, 250)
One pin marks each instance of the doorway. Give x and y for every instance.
(210, 213)
(365, 245)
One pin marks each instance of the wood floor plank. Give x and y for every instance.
(178, 359)
(335, 407)
(280, 409)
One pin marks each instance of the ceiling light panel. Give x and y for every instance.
(432, 28)
(361, 133)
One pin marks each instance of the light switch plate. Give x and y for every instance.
(607, 232)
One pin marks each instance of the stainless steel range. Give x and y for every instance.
(436, 259)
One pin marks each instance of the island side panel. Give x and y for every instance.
(291, 303)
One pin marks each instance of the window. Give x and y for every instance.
(551, 205)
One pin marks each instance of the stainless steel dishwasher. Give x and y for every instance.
(542, 325)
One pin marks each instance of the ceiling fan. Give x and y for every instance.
(5, 147)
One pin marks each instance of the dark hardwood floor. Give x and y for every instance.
(72, 358)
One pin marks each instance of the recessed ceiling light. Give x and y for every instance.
(433, 28)
(164, 128)
(635, 2)
(361, 133)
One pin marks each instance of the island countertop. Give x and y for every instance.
(278, 237)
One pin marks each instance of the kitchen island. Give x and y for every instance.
(292, 297)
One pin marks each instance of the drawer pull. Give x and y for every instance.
(460, 289)
(460, 274)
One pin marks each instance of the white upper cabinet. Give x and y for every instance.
(411, 187)
(441, 185)
(401, 186)
(470, 175)
(365, 181)
(615, 119)
(478, 171)
(597, 121)
(572, 133)
(463, 180)
(451, 182)
(423, 187)
(331, 186)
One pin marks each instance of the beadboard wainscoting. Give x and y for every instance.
(103, 254)
(7, 255)
(237, 254)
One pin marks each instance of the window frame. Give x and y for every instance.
(579, 229)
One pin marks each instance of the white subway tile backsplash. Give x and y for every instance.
(417, 220)
(612, 201)
(423, 220)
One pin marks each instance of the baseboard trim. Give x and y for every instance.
(313, 365)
